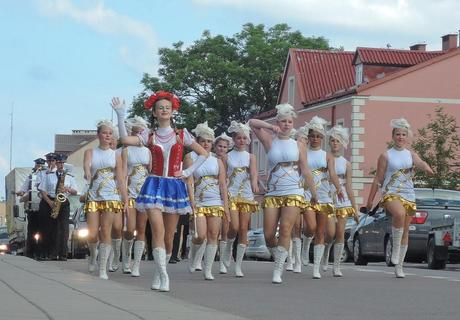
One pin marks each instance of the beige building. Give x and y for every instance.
(2, 213)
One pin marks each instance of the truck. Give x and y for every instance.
(16, 217)
(444, 243)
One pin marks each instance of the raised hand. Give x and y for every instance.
(118, 105)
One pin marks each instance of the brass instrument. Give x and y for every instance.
(60, 197)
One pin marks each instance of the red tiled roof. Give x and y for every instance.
(394, 57)
(322, 72)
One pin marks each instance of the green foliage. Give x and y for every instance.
(220, 79)
(438, 144)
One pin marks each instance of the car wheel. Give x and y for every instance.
(357, 255)
(388, 251)
(433, 263)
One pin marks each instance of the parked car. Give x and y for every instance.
(4, 241)
(371, 240)
(78, 233)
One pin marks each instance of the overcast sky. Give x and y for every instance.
(61, 61)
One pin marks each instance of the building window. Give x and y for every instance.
(340, 122)
(291, 90)
(359, 73)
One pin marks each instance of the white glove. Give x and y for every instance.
(119, 108)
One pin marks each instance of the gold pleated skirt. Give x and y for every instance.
(243, 205)
(410, 206)
(277, 202)
(132, 203)
(212, 211)
(103, 206)
(322, 208)
(345, 212)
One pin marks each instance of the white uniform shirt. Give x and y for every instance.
(399, 173)
(284, 177)
(239, 184)
(138, 159)
(49, 184)
(317, 162)
(206, 176)
(341, 170)
(103, 186)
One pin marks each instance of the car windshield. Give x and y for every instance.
(437, 197)
(3, 233)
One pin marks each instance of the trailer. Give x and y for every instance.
(444, 244)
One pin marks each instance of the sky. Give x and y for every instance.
(61, 61)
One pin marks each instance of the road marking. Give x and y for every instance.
(436, 277)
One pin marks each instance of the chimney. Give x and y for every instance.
(418, 47)
(449, 41)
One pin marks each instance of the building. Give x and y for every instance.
(68, 143)
(363, 90)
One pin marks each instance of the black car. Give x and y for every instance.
(371, 240)
(4, 241)
(78, 234)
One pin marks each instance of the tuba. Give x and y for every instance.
(60, 197)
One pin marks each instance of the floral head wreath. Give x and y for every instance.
(401, 123)
(136, 121)
(293, 134)
(109, 124)
(202, 130)
(159, 95)
(340, 133)
(236, 127)
(285, 110)
(225, 137)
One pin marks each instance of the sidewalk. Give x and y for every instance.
(34, 290)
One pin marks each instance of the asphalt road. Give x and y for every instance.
(369, 292)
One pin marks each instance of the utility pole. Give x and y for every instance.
(11, 135)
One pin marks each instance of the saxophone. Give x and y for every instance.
(60, 197)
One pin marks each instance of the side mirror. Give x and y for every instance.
(363, 210)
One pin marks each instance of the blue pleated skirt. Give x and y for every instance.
(164, 193)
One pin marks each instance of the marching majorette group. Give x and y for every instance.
(308, 191)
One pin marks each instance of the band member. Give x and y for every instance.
(137, 165)
(285, 194)
(106, 196)
(323, 169)
(164, 194)
(55, 189)
(338, 139)
(44, 219)
(242, 184)
(222, 146)
(29, 195)
(210, 202)
(394, 175)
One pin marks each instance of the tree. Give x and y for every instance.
(438, 144)
(220, 78)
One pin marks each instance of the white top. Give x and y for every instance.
(42, 174)
(138, 162)
(206, 176)
(103, 186)
(239, 183)
(49, 184)
(284, 177)
(399, 173)
(317, 162)
(165, 138)
(341, 170)
(30, 187)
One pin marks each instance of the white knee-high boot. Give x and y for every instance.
(126, 248)
(399, 267)
(138, 251)
(338, 249)
(104, 253)
(280, 257)
(240, 250)
(318, 254)
(114, 262)
(160, 257)
(325, 259)
(222, 254)
(289, 259)
(306, 250)
(297, 253)
(229, 252)
(209, 256)
(92, 259)
(192, 256)
(396, 234)
(199, 256)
